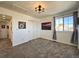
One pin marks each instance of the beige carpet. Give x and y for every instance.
(40, 48)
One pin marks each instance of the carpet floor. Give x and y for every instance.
(40, 48)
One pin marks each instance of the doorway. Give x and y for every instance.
(5, 31)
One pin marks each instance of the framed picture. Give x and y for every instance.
(7, 27)
(3, 26)
(21, 25)
(46, 26)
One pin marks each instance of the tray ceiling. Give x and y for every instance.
(51, 7)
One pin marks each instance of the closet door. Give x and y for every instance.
(29, 30)
(3, 31)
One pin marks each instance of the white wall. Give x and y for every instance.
(33, 28)
(47, 34)
(63, 37)
(22, 35)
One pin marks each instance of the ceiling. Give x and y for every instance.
(4, 18)
(51, 7)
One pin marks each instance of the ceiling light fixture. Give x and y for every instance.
(3, 16)
(39, 9)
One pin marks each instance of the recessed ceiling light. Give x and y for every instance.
(3, 18)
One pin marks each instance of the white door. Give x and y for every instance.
(29, 30)
(3, 31)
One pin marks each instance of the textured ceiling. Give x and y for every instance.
(51, 7)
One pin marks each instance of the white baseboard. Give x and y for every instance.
(66, 43)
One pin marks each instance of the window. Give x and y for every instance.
(64, 24)
(68, 23)
(59, 24)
